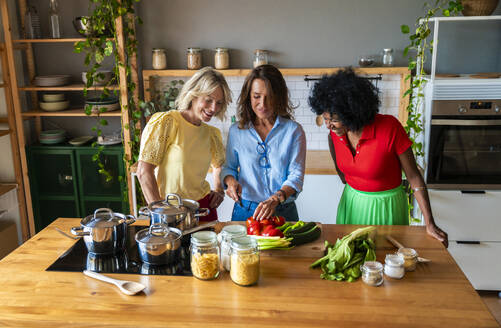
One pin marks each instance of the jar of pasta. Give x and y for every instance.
(244, 261)
(260, 57)
(227, 234)
(204, 255)
(221, 58)
(193, 58)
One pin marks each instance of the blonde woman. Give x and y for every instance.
(178, 147)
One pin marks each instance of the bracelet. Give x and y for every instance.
(284, 195)
(419, 188)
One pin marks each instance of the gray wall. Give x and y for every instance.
(315, 33)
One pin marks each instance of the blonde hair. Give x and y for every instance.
(203, 83)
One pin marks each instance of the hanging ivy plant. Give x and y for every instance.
(101, 42)
(419, 47)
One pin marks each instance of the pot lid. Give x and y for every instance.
(172, 205)
(102, 218)
(158, 234)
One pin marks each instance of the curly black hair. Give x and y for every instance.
(352, 98)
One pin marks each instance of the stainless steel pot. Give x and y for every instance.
(104, 232)
(174, 212)
(159, 244)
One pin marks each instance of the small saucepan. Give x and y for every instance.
(104, 232)
(161, 245)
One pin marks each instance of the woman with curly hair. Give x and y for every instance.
(369, 151)
(266, 150)
(177, 147)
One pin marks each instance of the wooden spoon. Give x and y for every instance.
(125, 286)
(395, 243)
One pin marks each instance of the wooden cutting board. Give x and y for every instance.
(315, 249)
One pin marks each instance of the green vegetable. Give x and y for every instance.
(306, 236)
(265, 243)
(284, 226)
(305, 227)
(297, 225)
(344, 258)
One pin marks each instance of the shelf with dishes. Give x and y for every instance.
(63, 40)
(6, 187)
(70, 87)
(4, 132)
(67, 112)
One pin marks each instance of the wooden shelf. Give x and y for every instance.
(4, 132)
(285, 71)
(67, 112)
(67, 40)
(70, 87)
(6, 187)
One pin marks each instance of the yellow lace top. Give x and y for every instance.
(182, 153)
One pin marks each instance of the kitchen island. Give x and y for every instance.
(288, 294)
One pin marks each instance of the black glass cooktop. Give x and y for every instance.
(77, 259)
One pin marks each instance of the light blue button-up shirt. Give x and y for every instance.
(286, 154)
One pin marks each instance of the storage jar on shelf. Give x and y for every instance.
(193, 58)
(260, 58)
(221, 58)
(159, 58)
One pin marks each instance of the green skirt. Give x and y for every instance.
(387, 207)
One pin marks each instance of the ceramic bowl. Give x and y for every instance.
(108, 104)
(53, 97)
(55, 105)
(366, 61)
(52, 80)
(100, 78)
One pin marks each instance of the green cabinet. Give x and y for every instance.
(65, 181)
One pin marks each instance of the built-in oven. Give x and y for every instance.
(465, 145)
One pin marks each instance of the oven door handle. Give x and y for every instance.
(465, 122)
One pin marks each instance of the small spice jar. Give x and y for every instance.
(260, 58)
(227, 234)
(388, 57)
(204, 255)
(244, 261)
(372, 273)
(221, 58)
(158, 59)
(410, 258)
(193, 58)
(394, 266)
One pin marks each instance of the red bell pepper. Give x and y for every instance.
(278, 221)
(254, 228)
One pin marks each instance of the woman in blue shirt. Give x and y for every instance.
(266, 150)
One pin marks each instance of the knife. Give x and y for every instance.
(240, 201)
(395, 243)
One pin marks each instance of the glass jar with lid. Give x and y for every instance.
(410, 258)
(227, 234)
(388, 57)
(193, 58)
(204, 255)
(244, 261)
(372, 273)
(394, 266)
(158, 58)
(260, 57)
(221, 58)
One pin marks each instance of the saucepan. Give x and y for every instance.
(175, 212)
(104, 232)
(161, 245)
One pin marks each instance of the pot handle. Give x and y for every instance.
(176, 196)
(78, 231)
(106, 210)
(202, 212)
(158, 229)
(130, 219)
(144, 211)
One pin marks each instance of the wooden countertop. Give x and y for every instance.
(289, 294)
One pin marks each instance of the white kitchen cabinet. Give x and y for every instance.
(472, 218)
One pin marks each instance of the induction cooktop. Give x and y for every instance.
(77, 259)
